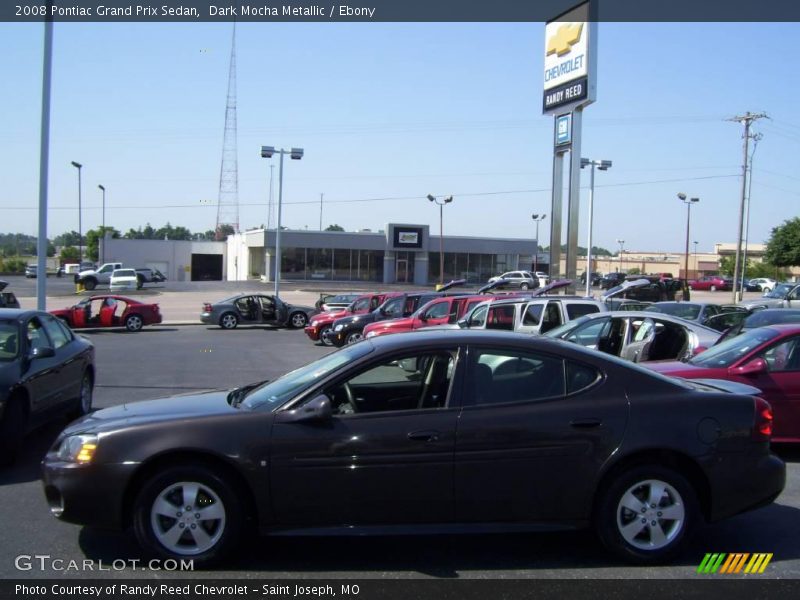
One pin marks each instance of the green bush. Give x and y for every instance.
(13, 265)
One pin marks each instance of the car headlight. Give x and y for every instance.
(371, 334)
(338, 327)
(78, 449)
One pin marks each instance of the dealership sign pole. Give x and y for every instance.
(570, 58)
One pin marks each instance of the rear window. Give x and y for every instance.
(579, 310)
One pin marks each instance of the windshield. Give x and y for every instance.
(275, 393)
(562, 330)
(772, 317)
(780, 291)
(731, 350)
(684, 310)
(394, 306)
(9, 341)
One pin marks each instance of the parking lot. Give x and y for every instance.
(167, 360)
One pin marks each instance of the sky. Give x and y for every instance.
(390, 112)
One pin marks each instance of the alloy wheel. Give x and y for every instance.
(134, 323)
(188, 518)
(650, 514)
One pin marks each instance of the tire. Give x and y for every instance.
(12, 429)
(524, 286)
(134, 323)
(641, 533)
(354, 337)
(90, 284)
(206, 533)
(228, 321)
(323, 336)
(766, 290)
(85, 397)
(713, 288)
(139, 282)
(298, 320)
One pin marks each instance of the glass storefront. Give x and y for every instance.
(331, 264)
(475, 268)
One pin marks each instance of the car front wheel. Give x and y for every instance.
(188, 512)
(524, 286)
(325, 335)
(298, 320)
(647, 514)
(354, 337)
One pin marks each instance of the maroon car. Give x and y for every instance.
(320, 325)
(109, 311)
(440, 311)
(767, 358)
(712, 283)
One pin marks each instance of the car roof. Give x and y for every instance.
(14, 314)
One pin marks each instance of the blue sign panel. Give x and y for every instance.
(564, 129)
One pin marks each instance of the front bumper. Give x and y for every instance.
(312, 332)
(86, 494)
(122, 287)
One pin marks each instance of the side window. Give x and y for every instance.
(588, 334)
(66, 329)
(437, 311)
(578, 310)
(533, 314)
(37, 338)
(784, 356)
(501, 317)
(580, 377)
(56, 333)
(478, 317)
(552, 317)
(363, 303)
(502, 376)
(413, 381)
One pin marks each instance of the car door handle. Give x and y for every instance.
(424, 436)
(585, 423)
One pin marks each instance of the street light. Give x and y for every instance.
(445, 200)
(295, 154)
(80, 226)
(537, 219)
(621, 244)
(603, 165)
(688, 202)
(103, 227)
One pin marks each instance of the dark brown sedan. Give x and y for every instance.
(429, 431)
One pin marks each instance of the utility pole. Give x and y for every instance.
(320, 211)
(746, 120)
(756, 138)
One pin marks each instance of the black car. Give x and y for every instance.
(7, 299)
(423, 432)
(45, 371)
(350, 329)
(596, 280)
(611, 280)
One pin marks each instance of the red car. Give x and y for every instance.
(440, 311)
(712, 283)
(109, 311)
(767, 358)
(320, 324)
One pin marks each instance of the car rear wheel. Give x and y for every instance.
(90, 284)
(524, 286)
(298, 320)
(228, 321)
(647, 514)
(188, 512)
(134, 322)
(354, 337)
(324, 335)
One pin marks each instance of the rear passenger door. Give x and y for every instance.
(533, 434)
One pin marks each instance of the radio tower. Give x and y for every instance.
(228, 205)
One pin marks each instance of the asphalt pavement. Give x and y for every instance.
(167, 360)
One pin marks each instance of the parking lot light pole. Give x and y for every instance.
(445, 200)
(688, 201)
(603, 165)
(295, 154)
(79, 166)
(621, 244)
(537, 219)
(103, 227)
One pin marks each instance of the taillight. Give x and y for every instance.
(206, 307)
(762, 427)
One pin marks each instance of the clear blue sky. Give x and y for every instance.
(399, 111)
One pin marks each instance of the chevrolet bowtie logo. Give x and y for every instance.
(564, 39)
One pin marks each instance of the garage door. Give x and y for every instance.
(206, 267)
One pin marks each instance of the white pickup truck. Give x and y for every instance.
(92, 277)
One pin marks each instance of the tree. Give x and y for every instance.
(70, 254)
(783, 246)
(68, 238)
(93, 237)
(334, 227)
(223, 231)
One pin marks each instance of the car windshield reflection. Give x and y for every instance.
(729, 351)
(273, 394)
(9, 344)
(780, 291)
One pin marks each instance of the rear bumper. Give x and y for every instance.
(741, 483)
(207, 318)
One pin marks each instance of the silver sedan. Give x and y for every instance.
(255, 309)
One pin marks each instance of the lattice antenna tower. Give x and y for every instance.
(228, 204)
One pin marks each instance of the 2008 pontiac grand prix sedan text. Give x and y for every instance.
(424, 432)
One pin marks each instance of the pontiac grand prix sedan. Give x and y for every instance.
(422, 432)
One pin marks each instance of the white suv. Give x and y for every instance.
(530, 315)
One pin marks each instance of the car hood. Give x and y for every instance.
(329, 316)
(369, 317)
(402, 323)
(175, 408)
(763, 301)
(3, 285)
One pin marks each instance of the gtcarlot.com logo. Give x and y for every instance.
(737, 562)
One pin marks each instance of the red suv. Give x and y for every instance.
(711, 282)
(440, 311)
(320, 324)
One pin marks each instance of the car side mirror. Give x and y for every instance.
(317, 409)
(423, 317)
(462, 323)
(43, 352)
(754, 367)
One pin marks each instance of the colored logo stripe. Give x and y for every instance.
(711, 563)
(734, 563)
(758, 563)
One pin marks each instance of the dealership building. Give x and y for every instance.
(402, 253)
